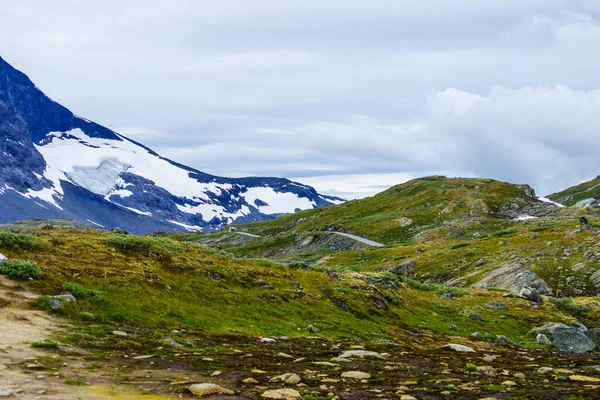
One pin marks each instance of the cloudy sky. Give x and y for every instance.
(351, 96)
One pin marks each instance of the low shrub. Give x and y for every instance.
(567, 305)
(20, 241)
(19, 269)
(81, 293)
(161, 248)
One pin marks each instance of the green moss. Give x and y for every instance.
(46, 344)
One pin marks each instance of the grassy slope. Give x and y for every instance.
(583, 191)
(168, 285)
(433, 202)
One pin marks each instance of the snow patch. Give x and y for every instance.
(277, 203)
(524, 218)
(191, 228)
(546, 200)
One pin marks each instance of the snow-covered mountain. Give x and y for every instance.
(54, 164)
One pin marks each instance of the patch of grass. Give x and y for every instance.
(161, 248)
(506, 233)
(74, 382)
(20, 269)
(457, 246)
(46, 344)
(436, 287)
(567, 305)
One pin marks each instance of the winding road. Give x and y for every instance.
(360, 239)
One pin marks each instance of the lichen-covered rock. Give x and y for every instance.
(572, 339)
(542, 339)
(208, 389)
(360, 354)
(459, 348)
(281, 394)
(547, 329)
(356, 375)
(513, 277)
(594, 336)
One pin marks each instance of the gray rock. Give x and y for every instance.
(481, 262)
(405, 221)
(331, 274)
(403, 269)
(312, 329)
(496, 306)
(501, 339)
(55, 304)
(172, 342)
(67, 297)
(3, 257)
(513, 277)
(572, 339)
(361, 354)
(542, 339)
(547, 329)
(531, 294)
(120, 333)
(458, 347)
(208, 389)
(447, 296)
(475, 336)
(594, 336)
(587, 203)
(5, 393)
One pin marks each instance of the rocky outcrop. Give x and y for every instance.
(513, 277)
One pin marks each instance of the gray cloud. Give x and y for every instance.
(313, 89)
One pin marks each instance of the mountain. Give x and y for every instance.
(586, 194)
(422, 209)
(55, 164)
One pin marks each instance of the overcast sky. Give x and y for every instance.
(351, 96)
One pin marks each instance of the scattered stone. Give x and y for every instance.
(68, 297)
(340, 359)
(572, 339)
(281, 394)
(542, 339)
(312, 329)
(496, 306)
(5, 392)
(55, 304)
(143, 357)
(250, 380)
(489, 358)
(453, 327)
(545, 370)
(405, 221)
(361, 354)
(331, 274)
(207, 389)
(509, 383)
(267, 340)
(325, 364)
(519, 375)
(283, 355)
(458, 347)
(120, 333)
(258, 371)
(403, 269)
(481, 262)
(289, 378)
(447, 296)
(407, 397)
(356, 375)
(475, 336)
(501, 339)
(581, 378)
(172, 342)
(531, 294)
(216, 373)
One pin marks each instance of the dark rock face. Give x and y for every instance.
(27, 119)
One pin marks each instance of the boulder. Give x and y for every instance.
(547, 329)
(513, 277)
(594, 336)
(209, 389)
(3, 257)
(403, 269)
(572, 339)
(405, 221)
(458, 347)
(67, 297)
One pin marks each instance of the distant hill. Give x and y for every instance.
(585, 194)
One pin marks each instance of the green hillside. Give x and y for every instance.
(418, 209)
(575, 194)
